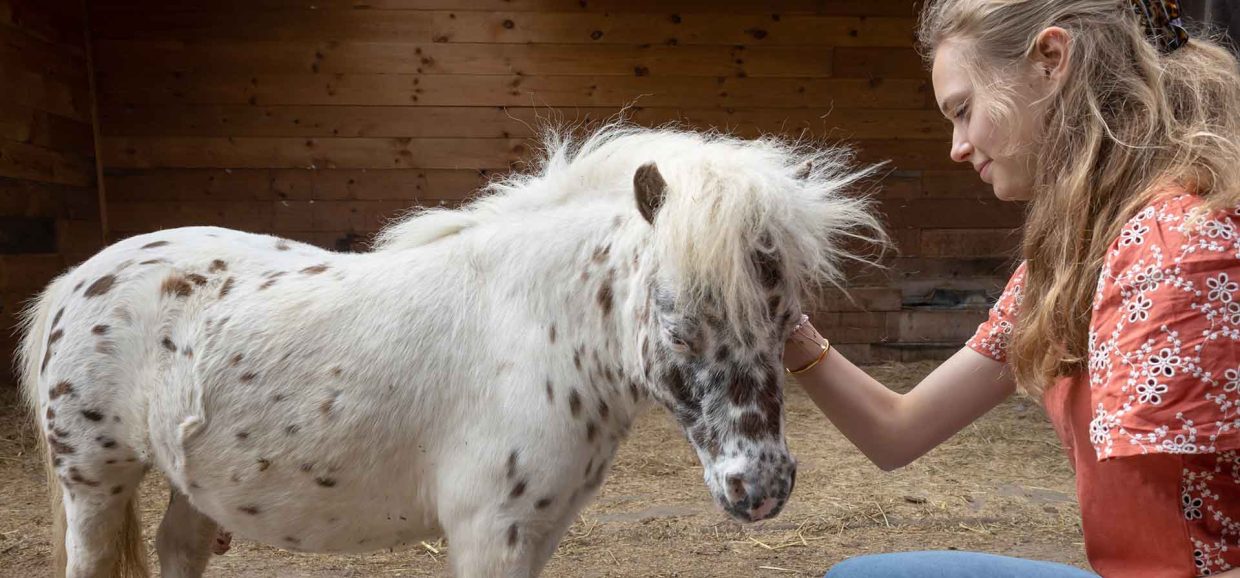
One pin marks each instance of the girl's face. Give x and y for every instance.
(1004, 156)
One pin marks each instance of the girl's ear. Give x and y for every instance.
(1050, 54)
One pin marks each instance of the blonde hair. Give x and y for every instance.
(1126, 123)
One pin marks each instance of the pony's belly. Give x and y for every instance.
(280, 514)
(311, 495)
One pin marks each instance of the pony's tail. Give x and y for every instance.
(34, 324)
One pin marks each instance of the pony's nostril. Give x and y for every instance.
(736, 488)
(792, 480)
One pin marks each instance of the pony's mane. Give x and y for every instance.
(728, 199)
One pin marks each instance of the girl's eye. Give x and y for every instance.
(962, 112)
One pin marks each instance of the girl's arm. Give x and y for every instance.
(890, 428)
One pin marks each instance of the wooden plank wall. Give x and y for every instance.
(318, 119)
(49, 207)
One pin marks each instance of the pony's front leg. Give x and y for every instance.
(488, 544)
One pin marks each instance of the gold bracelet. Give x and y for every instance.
(826, 346)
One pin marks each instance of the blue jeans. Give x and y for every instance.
(950, 565)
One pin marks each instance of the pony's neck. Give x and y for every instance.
(583, 273)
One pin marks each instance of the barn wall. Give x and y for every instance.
(317, 120)
(49, 208)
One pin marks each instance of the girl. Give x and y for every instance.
(1124, 318)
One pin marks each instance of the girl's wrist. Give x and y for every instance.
(804, 347)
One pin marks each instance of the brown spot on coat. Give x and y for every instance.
(248, 376)
(227, 287)
(177, 285)
(512, 465)
(325, 482)
(326, 407)
(591, 431)
(251, 510)
(266, 284)
(517, 490)
(551, 333)
(100, 286)
(574, 402)
(62, 388)
(512, 535)
(117, 489)
(168, 344)
(282, 245)
(59, 314)
(605, 296)
(76, 475)
(241, 435)
(54, 337)
(196, 279)
(236, 359)
(154, 245)
(263, 464)
(314, 270)
(543, 503)
(59, 447)
(751, 425)
(47, 356)
(92, 415)
(603, 410)
(217, 266)
(100, 329)
(550, 392)
(51, 414)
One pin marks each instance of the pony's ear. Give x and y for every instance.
(804, 170)
(649, 188)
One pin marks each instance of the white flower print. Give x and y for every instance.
(1233, 313)
(1151, 391)
(1233, 380)
(1180, 444)
(1219, 229)
(1221, 288)
(1164, 363)
(1138, 309)
(1192, 506)
(1099, 428)
(1134, 235)
(1147, 279)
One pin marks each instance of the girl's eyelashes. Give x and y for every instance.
(961, 112)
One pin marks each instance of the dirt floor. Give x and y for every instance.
(1001, 486)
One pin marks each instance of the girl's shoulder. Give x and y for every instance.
(1164, 341)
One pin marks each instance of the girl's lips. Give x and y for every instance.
(984, 171)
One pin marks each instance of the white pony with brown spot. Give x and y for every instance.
(471, 377)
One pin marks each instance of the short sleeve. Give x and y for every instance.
(1164, 340)
(993, 335)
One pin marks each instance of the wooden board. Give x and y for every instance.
(373, 153)
(818, 95)
(404, 152)
(223, 186)
(775, 9)
(500, 122)
(328, 56)
(507, 27)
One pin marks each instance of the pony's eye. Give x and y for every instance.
(678, 345)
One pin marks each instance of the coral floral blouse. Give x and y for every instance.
(1151, 426)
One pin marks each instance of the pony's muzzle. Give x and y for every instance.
(755, 502)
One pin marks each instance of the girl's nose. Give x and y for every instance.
(961, 151)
